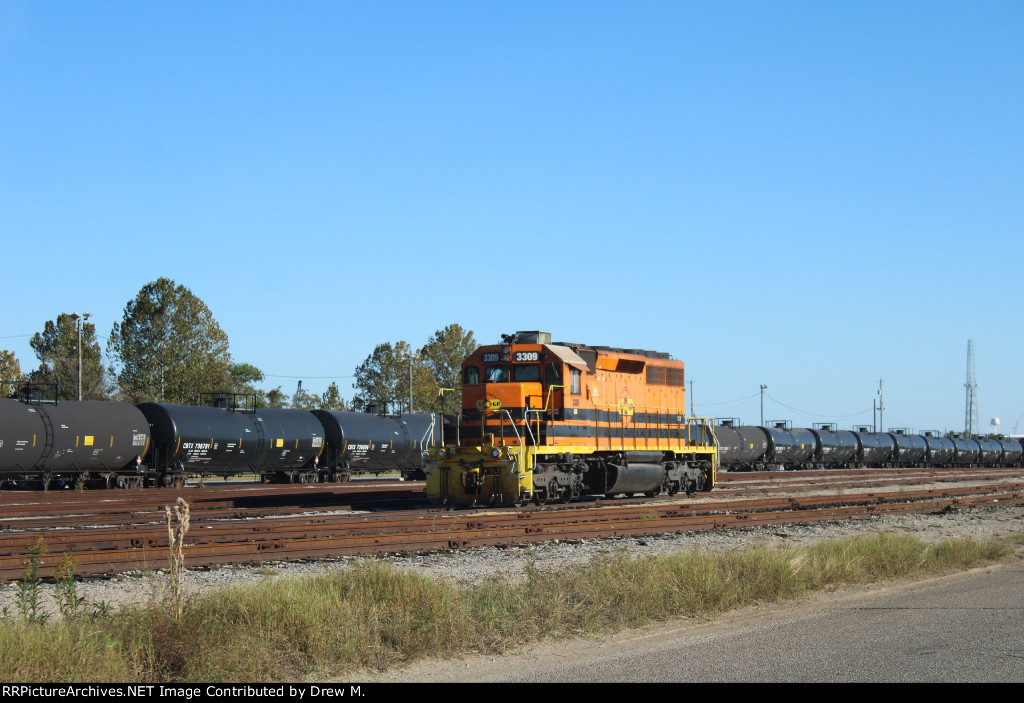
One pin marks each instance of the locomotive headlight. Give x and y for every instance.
(495, 453)
(440, 454)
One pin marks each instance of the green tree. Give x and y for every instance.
(383, 377)
(242, 377)
(386, 375)
(168, 347)
(304, 399)
(442, 357)
(10, 371)
(276, 398)
(332, 400)
(56, 347)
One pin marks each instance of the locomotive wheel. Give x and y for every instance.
(538, 496)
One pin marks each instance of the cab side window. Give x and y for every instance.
(574, 386)
(472, 375)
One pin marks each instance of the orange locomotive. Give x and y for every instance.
(543, 421)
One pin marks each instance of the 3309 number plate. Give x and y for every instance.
(527, 356)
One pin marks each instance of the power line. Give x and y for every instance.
(281, 376)
(812, 414)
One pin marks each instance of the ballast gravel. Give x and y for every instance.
(473, 565)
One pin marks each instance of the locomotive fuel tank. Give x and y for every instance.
(634, 478)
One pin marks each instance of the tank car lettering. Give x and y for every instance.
(318, 442)
(88, 440)
(138, 439)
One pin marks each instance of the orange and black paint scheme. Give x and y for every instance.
(544, 422)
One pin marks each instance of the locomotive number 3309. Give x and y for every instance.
(527, 356)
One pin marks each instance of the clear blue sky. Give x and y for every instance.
(809, 195)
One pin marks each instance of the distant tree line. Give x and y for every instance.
(169, 348)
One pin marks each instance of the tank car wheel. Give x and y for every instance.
(122, 482)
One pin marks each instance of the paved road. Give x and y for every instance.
(962, 628)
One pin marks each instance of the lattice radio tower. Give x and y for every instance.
(971, 416)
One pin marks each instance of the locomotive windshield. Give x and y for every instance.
(496, 374)
(526, 373)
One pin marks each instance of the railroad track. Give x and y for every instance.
(307, 522)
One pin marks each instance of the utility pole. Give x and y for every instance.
(881, 407)
(79, 319)
(763, 387)
(971, 413)
(691, 399)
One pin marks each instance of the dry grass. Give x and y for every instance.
(376, 616)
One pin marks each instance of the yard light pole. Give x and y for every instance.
(79, 319)
(763, 387)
